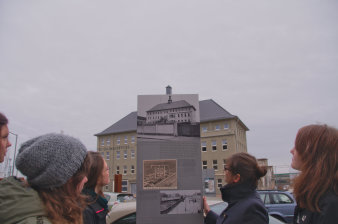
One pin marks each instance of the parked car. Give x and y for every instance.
(219, 207)
(125, 213)
(114, 198)
(280, 204)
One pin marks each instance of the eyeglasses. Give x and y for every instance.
(228, 169)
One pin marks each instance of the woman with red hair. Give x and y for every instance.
(315, 154)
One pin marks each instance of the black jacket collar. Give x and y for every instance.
(235, 192)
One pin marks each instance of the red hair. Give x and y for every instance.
(317, 146)
(65, 204)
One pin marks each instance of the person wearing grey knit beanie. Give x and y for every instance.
(56, 168)
(50, 160)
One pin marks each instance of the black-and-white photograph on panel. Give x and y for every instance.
(160, 174)
(168, 116)
(181, 202)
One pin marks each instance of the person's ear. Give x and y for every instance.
(236, 178)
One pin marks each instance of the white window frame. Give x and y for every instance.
(118, 155)
(125, 169)
(117, 169)
(203, 146)
(219, 183)
(133, 139)
(118, 141)
(107, 156)
(124, 185)
(224, 163)
(132, 169)
(214, 146)
(217, 127)
(224, 143)
(215, 164)
(205, 166)
(125, 140)
(132, 153)
(108, 141)
(102, 141)
(226, 126)
(204, 129)
(125, 154)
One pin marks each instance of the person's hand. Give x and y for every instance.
(206, 207)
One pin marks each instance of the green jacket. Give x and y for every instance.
(20, 204)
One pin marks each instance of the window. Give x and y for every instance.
(133, 139)
(214, 147)
(204, 146)
(117, 154)
(224, 163)
(102, 141)
(280, 199)
(125, 169)
(226, 126)
(125, 154)
(214, 165)
(224, 144)
(204, 165)
(107, 156)
(217, 127)
(124, 185)
(125, 139)
(102, 154)
(219, 183)
(132, 153)
(108, 141)
(118, 170)
(204, 129)
(118, 140)
(132, 169)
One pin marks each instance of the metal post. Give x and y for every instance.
(16, 141)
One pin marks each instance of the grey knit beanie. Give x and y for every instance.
(50, 160)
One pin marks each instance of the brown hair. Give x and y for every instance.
(3, 120)
(246, 165)
(317, 146)
(95, 171)
(65, 204)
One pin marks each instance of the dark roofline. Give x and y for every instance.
(116, 127)
(189, 105)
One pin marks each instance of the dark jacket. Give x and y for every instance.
(96, 211)
(244, 206)
(328, 205)
(20, 204)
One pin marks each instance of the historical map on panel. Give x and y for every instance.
(160, 174)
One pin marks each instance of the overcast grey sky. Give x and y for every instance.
(78, 66)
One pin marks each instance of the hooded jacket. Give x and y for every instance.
(20, 204)
(244, 206)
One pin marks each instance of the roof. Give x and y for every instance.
(209, 111)
(128, 123)
(175, 104)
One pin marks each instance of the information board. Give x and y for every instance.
(169, 172)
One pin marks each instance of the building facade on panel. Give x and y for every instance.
(222, 134)
(178, 112)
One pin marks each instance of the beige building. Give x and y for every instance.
(267, 182)
(222, 134)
